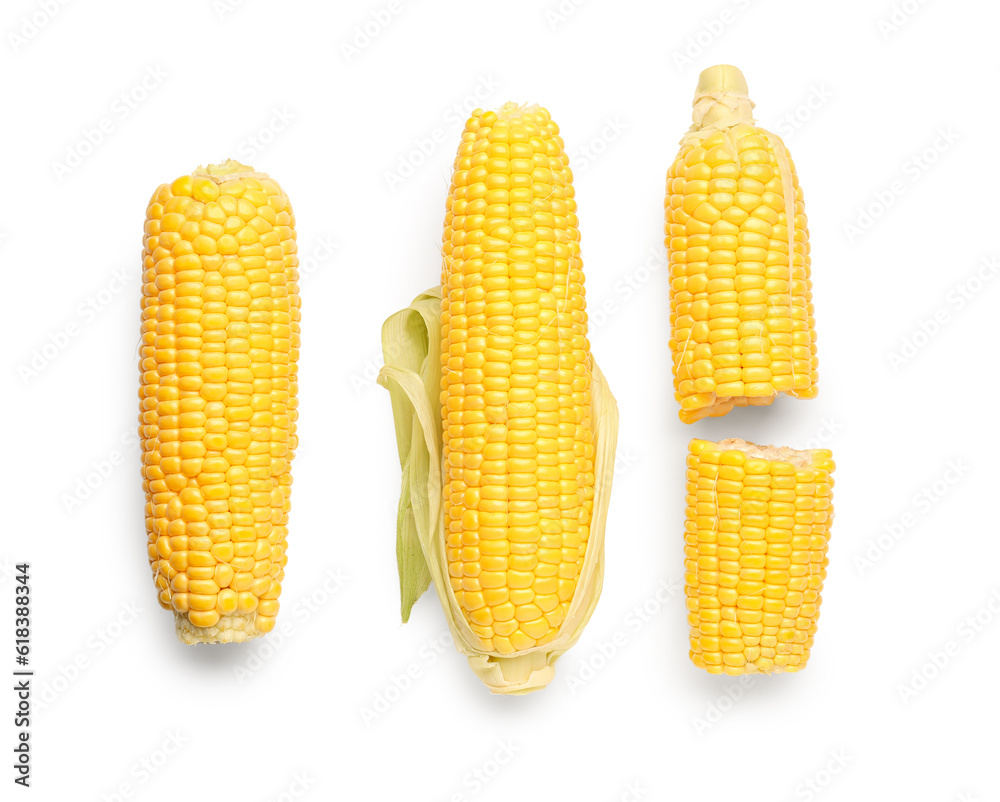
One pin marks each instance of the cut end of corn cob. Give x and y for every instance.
(757, 530)
(220, 339)
(800, 459)
(741, 292)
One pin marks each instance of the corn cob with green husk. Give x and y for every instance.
(505, 426)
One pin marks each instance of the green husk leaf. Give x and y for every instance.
(412, 347)
(414, 578)
(406, 344)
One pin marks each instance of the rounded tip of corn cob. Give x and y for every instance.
(722, 78)
(512, 110)
(228, 170)
(229, 629)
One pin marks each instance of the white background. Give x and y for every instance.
(257, 719)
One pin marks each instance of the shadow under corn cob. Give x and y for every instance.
(220, 340)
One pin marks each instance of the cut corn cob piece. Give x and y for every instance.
(756, 536)
(512, 534)
(741, 313)
(220, 342)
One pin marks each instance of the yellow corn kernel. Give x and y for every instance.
(740, 288)
(747, 606)
(218, 405)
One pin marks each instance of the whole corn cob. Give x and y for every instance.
(220, 340)
(527, 419)
(518, 443)
(756, 535)
(740, 295)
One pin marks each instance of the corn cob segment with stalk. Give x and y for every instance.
(742, 328)
(218, 386)
(505, 426)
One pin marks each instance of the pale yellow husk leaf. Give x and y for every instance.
(411, 345)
